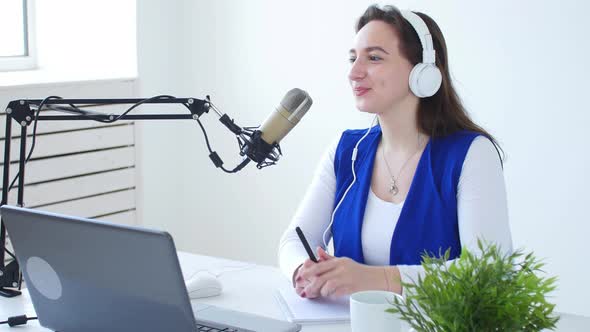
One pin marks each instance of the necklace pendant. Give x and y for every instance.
(393, 188)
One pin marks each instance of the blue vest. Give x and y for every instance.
(428, 220)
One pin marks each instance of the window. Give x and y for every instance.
(17, 40)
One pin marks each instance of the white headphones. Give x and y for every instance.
(425, 77)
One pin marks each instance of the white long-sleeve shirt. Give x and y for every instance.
(481, 209)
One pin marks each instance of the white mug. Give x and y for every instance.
(367, 312)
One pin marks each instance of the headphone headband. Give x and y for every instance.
(428, 52)
(425, 78)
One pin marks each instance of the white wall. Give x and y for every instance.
(160, 62)
(520, 68)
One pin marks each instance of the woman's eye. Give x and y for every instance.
(370, 57)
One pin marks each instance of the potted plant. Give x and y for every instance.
(488, 291)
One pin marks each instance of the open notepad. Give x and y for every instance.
(321, 310)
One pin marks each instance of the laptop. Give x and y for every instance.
(87, 275)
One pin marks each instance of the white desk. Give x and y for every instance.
(247, 287)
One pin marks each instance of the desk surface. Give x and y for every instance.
(246, 287)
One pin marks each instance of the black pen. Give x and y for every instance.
(305, 244)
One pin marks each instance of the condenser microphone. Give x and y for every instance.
(285, 116)
(263, 145)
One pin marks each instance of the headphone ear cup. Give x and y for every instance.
(425, 80)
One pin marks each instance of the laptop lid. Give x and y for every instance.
(86, 275)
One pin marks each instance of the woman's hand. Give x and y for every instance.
(300, 281)
(337, 276)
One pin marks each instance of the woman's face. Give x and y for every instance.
(379, 73)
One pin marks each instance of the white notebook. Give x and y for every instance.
(320, 310)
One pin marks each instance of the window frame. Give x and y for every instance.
(29, 61)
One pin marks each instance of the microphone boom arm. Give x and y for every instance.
(24, 114)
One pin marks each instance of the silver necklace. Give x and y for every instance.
(393, 188)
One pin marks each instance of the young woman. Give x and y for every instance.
(424, 180)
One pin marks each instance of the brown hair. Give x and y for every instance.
(443, 113)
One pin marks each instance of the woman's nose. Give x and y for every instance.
(357, 71)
